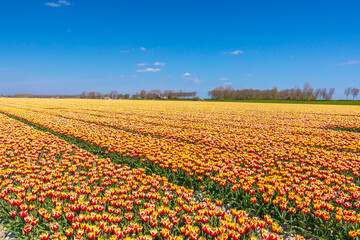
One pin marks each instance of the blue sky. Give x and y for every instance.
(72, 46)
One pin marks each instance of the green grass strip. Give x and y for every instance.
(357, 130)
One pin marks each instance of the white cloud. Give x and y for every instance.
(350, 62)
(228, 83)
(236, 52)
(124, 51)
(249, 74)
(159, 64)
(142, 49)
(58, 3)
(141, 64)
(53, 4)
(196, 80)
(191, 77)
(223, 79)
(64, 2)
(149, 70)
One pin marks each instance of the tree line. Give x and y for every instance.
(166, 94)
(296, 93)
(351, 91)
(97, 95)
(152, 94)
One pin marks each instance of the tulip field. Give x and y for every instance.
(97, 169)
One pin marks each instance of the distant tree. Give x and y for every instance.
(167, 93)
(142, 93)
(217, 93)
(136, 95)
(347, 92)
(324, 94)
(307, 92)
(285, 94)
(91, 95)
(126, 96)
(83, 94)
(274, 94)
(291, 93)
(318, 94)
(113, 94)
(172, 94)
(354, 92)
(98, 95)
(155, 93)
(297, 93)
(331, 92)
(229, 92)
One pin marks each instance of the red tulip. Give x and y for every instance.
(44, 236)
(27, 229)
(12, 213)
(34, 221)
(69, 232)
(153, 232)
(54, 226)
(23, 214)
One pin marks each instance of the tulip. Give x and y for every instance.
(54, 226)
(44, 236)
(23, 214)
(164, 233)
(107, 229)
(69, 232)
(81, 232)
(92, 235)
(292, 210)
(12, 213)
(129, 216)
(34, 221)
(153, 232)
(47, 216)
(306, 210)
(27, 229)
(75, 225)
(352, 234)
